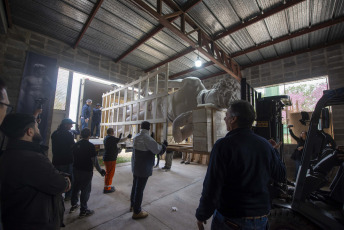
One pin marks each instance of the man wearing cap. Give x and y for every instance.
(31, 187)
(96, 116)
(86, 114)
(62, 143)
(142, 161)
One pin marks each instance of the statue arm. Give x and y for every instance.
(183, 120)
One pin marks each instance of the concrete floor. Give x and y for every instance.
(180, 187)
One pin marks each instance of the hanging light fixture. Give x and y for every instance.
(198, 62)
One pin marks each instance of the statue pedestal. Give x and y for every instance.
(208, 126)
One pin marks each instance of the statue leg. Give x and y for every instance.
(183, 120)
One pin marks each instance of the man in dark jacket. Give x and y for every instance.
(62, 143)
(240, 168)
(142, 161)
(86, 114)
(110, 157)
(96, 118)
(30, 185)
(85, 156)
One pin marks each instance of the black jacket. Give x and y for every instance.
(111, 150)
(84, 152)
(31, 188)
(96, 116)
(240, 168)
(62, 143)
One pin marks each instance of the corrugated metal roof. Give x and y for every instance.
(277, 25)
(120, 24)
(283, 47)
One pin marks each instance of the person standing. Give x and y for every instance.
(62, 141)
(86, 114)
(31, 187)
(297, 154)
(96, 118)
(186, 158)
(168, 160)
(235, 188)
(110, 157)
(85, 156)
(142, 161)
(5, 108)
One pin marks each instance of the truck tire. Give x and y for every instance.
(287, 219)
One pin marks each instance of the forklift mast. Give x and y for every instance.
(269, 117)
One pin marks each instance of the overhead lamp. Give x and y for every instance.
(198, 62)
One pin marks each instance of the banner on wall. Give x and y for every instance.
(37, 90)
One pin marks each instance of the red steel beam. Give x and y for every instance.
(8, 12)
(88, 22)
(178, 55)
(259, 18)
(293, 35)
(176, 31)
(156, 30)
(293, 53)
(213, 75)
(191, 70)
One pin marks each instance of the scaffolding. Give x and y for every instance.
(142, 100)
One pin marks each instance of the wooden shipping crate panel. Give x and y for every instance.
(205, 159)
(196, 157)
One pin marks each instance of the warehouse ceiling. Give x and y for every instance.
(228, 35)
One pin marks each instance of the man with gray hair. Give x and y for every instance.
(235, 188)
(86, 114)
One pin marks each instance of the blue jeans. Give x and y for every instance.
(97, 126)
(223, 223)
(139, 184)
(84, 124)
(67, 169)
(83, 183)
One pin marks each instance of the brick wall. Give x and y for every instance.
(17, 41)
(327, 61)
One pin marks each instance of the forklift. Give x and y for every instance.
(305, 204)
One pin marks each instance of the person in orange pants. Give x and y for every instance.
(110, 157)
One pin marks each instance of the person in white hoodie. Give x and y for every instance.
(142, 161)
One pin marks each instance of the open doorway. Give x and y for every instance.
(304, 95)
(72, 90)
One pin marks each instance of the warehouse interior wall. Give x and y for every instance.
(17, 41)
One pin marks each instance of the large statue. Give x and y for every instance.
(190, 94)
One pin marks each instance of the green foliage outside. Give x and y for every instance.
(306, 94)
(120, 159)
